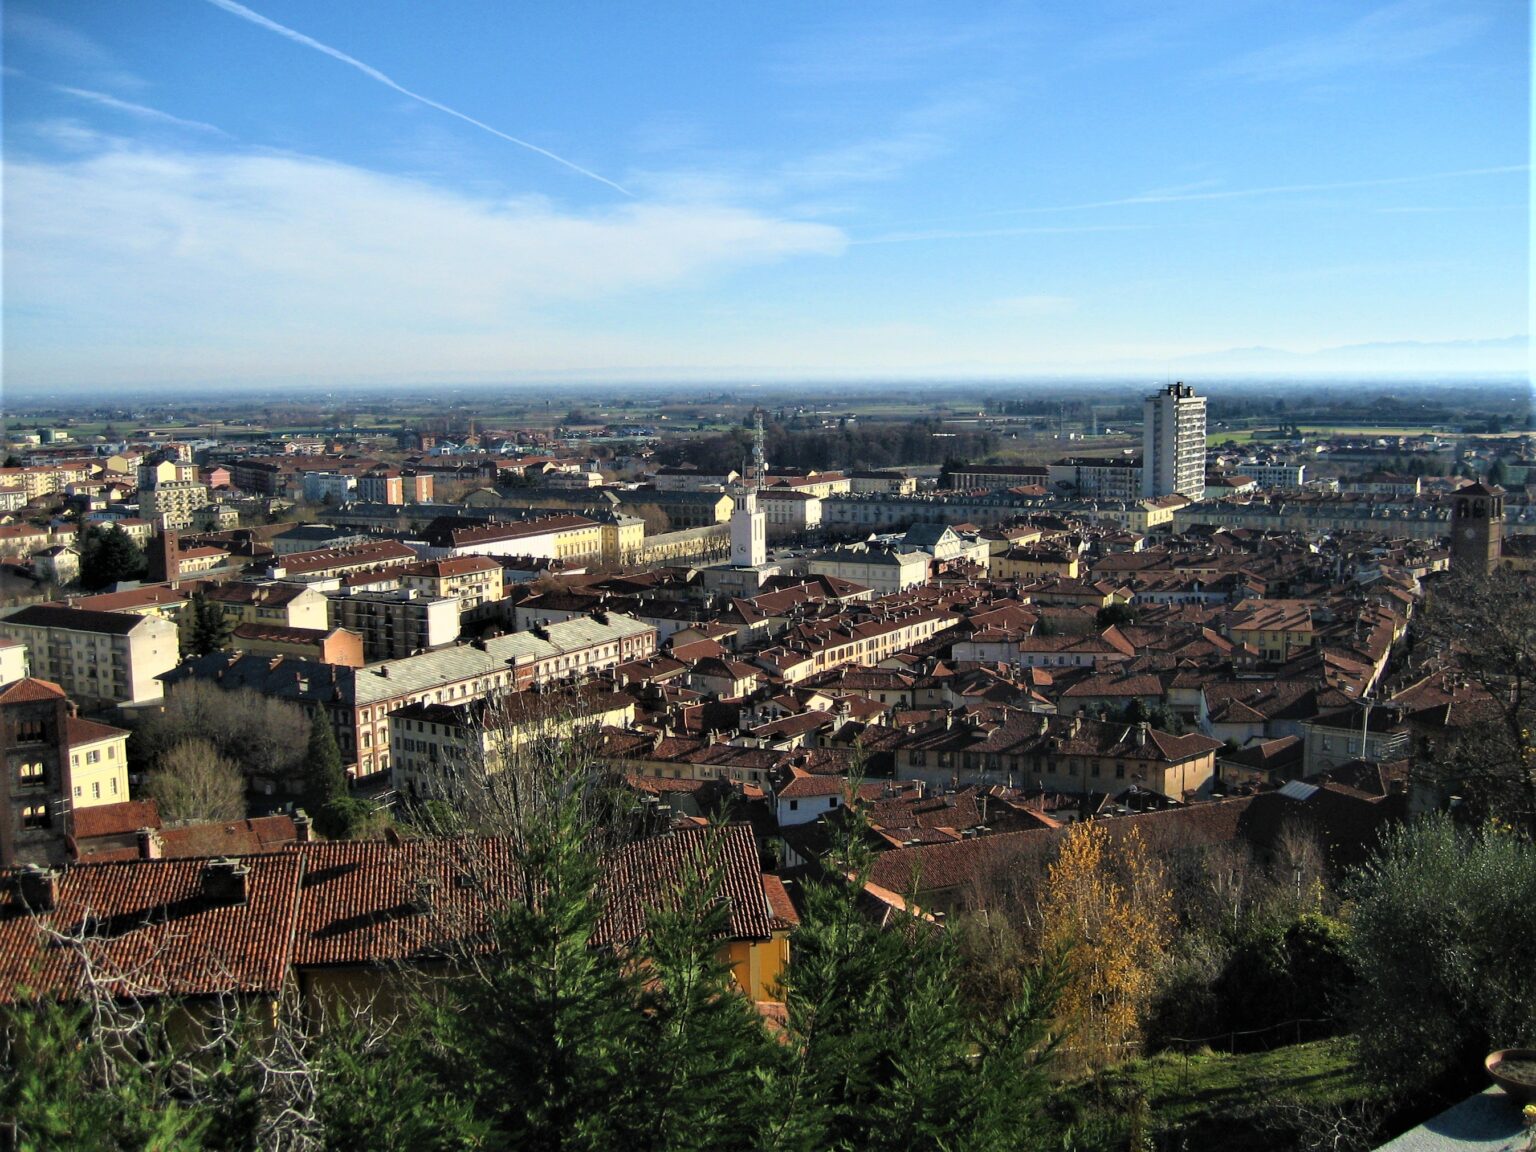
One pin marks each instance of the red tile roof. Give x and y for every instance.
(151, 927)
(88, 731)
(235, 838)
(779, 903)
(30, 691)
(940, 867)
(115, 819)
(372, 901)
(156, 927)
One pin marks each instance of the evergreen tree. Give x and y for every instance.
(108, 556)
(880, 1062)
(211, 626)
(548, 1040)
(1115, 614)
(325, 782)
(62, 1086)
(1443, 933)
(706, 1045)
(383, 1094)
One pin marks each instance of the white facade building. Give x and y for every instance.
(1173, 443)
(749, 532)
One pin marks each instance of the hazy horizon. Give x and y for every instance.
(199, 192)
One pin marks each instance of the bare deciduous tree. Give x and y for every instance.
(1486, 627)
(522, 755)
(195, 783)
(264, 736)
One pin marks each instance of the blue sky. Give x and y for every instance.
(197, 191)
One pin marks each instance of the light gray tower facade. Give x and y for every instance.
(1173, 443)
(749, 523)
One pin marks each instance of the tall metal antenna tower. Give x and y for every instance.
(758, 464)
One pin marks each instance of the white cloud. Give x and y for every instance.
(137, 265)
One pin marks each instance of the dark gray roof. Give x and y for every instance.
(925, 535)
(76, 619)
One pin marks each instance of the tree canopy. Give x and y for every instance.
(1444, 942)
(195, 783)
(107, 556)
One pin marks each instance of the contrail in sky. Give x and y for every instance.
(261, 21)
(1183, 196)
(139, 110)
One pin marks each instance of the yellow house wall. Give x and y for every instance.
(323, 991)
(757, 966)
(104, 782)
(1007, 569)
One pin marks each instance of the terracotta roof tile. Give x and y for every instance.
(372, 901)
(115, 819)
(153, 927)
(940, 867)
(779, 903)
(30, 691)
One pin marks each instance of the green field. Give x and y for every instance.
(1232, 437)
(1262, 1101)
(1252, 435)
(1366, 429)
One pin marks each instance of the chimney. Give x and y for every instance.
(224, 881)
(150, 845)
(38, 888)
(303, 827)
(424, 895)
(1141, 733)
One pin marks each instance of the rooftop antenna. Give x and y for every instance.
(758, 464)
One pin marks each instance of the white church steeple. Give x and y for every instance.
(749, 525)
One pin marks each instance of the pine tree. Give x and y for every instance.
(882, 1051)
(325, 781)
(108, 556)
(706, 1044)
(383, 1094)
(64, 1084)
(211, 626)
(549, 1039)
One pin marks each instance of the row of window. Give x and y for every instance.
(406, 745)
(32, 731)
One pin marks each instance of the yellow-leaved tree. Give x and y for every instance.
(1108, 911)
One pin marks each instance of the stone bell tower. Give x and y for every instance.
(1477, 528)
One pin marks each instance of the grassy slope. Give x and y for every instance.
(1213, 1100)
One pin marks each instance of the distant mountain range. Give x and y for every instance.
(1503, 356)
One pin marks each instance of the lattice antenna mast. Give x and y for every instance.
(759, 466)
